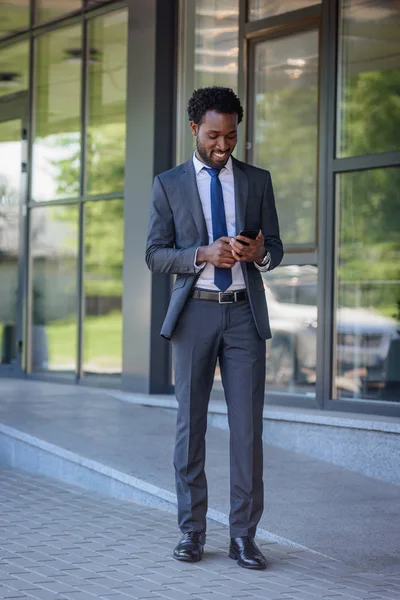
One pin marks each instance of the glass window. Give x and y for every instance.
(104, 220)
(14, 67)
(10, 176)
(291, 359)
(14, 16)
(52, 9)
(54, 247)
(368, 286)
(369, 116)
(107, 103)
(216, 43)
(57, 143)
(285, 129)
(291, 293)
(260, 9)
(209, 56)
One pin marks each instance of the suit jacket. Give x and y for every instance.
(177, 228)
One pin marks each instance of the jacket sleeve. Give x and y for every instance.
(162, 256)
(270, 225)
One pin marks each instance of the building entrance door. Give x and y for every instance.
(13, 177)
(283, 138)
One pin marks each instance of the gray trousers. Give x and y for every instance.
(206, 331)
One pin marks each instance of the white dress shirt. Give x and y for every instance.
(206, 278)
(203, 179)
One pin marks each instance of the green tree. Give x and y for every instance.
(369, 241)
(104, 239)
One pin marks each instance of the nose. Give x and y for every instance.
(222, 146)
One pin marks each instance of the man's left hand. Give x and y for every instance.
(253, 252)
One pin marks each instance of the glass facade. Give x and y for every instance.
(73, 263)
(54, 251)
(216, 43)
(49, 9)
(260, 9)
(285, 129)
(282, 129)
(368, 284)
(291, 293)
(57, 143)
(14, 16)
(104, 220)
(14, 65)
(10, 182)
(106, 129)
(370, 77)
(321, 114)
(210, 49)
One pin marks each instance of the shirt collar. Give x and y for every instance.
(198, 164)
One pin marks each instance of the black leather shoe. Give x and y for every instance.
(191, 547)
(245, 551)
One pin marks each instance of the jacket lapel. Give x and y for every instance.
(241, 194)
(190, 194)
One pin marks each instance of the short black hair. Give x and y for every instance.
(220, 99)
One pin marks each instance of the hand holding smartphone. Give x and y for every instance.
(249, 233)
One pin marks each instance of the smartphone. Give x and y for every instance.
(249, 233)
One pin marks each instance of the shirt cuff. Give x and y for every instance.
(198, 267)
(266, 263)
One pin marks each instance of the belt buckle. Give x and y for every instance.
(222, 294)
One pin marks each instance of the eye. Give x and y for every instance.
(212, 137)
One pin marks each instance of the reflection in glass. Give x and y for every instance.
(54, 243)
(14, 16)
(216, 43)
(104, 220)
(285, 129)
(368, 285)
(291, 294)
(51, 9)
(10, 174)
(291, 358)
(107, 103)
(14, 64)
(260, 9)
(56, 150)
(370, 77)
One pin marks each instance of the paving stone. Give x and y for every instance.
(63, 543)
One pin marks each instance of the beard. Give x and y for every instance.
(206, 159)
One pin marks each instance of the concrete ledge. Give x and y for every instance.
(364, 444)
(23, 451)
(290, 414)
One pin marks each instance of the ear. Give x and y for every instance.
(194, 128)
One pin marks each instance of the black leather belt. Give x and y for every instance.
(221, 297)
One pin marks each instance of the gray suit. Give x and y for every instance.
(203, 331)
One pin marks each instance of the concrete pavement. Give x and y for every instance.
(60, 542)
(309, 503)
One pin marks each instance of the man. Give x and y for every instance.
(217, 311)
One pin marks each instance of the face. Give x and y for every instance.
(216, 138)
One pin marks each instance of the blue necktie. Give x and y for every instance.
(222, 277)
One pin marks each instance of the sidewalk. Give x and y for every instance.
(60, 542)
(309, 503)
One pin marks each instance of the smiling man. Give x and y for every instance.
(217, 311)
